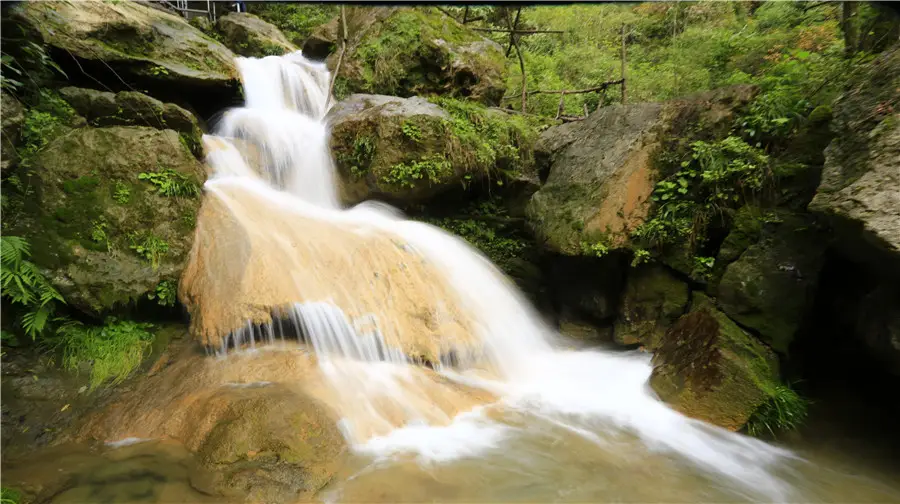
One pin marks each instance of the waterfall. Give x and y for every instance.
(275, 250)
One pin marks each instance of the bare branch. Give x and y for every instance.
(595, 89)
(517, 32)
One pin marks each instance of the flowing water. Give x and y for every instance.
(511, 416)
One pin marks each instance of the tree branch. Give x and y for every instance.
(517, 32)
(340, 60)
(601, 87)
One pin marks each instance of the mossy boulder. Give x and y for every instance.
(600, 172)
(653, 299)
(110, 213)
(272, 445)
(860, 184)
(248, 35)
(144, 45)
(412, 51)
(12, 115)
(769, 288)
(102, 108)
(409, 149)
(710, 369)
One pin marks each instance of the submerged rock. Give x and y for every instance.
(860, 187)
(140, 43)
(112, 214)
(710, 369)
(409, 149)
(770, 286)
(600, 172)
(248, 35)
(653, 299)
(409, 52)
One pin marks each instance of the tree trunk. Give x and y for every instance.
(850, 27)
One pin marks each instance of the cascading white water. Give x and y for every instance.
(601, 398)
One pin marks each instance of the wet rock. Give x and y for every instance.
(141, 43)
(653, 299)
(771, 285)
(112, 214)
(584, 331)
(410, 149)
(12, 115)
(710, 369)
(600, 172)
(860, 186)
(248, 35)
(408, 52)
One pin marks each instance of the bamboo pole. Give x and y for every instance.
(337, 68)
(624, 93)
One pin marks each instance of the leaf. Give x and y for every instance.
(64, 408)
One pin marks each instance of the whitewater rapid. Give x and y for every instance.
(596, 396)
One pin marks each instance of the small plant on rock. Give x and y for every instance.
(171, 183)
(784, 411)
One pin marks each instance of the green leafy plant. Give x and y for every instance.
(704, 265)
(113, 350)
(361, 155)
(597, 249)
(25, 285)
(171, 183)
(166, 293)
(785, 410)
(9, 496)
(98, 232)
(640, 256)
(157, 70)
(149, 246)
(432, 169)
(411, 131)
(122, 194)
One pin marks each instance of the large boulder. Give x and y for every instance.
(102, 108)
(112, 213)
(600, 172)
(878, 325)
(710, 369)
(249, 35)
(145, 46)
(860, 186)
(770, 287)
(409, 149)
(412, 51)
(12, 115)
(653, 299)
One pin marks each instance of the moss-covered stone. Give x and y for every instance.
(709, 368)
(407, 150)
(138, 40)
(408, 52)
(273, 445)
(103, 108)
(653, 299)
(105, 233)
(248, 35)
(770, 286)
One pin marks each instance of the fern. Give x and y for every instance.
(24, 284)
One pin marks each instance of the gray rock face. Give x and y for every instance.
(860, 187)
(878, 325)
(248, 35)
(141, 42)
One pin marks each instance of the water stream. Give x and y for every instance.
(552, 424)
